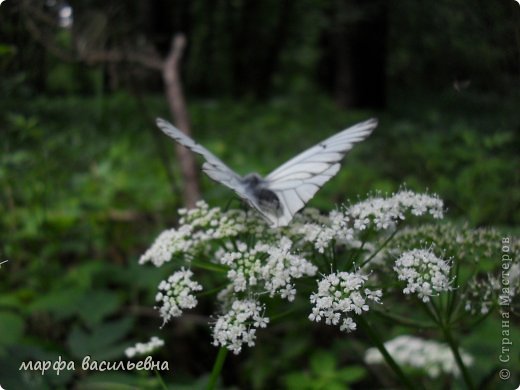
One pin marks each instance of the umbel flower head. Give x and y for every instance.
(252, 260)
(425, 274)
(376, 213)
(176, 294)
(238, 326)
(427, 355)
(144, 348)
(339, 295)
(383, 213)
(197, 226)
(492, 290)
(266, 267)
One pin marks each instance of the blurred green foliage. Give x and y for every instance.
(87, 181)
(324, 374)
(87, 185)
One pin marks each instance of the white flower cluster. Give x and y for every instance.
(425, 274)
(340, 294)
(462, 241)
(380, 213)
(514, 279)
(384, 213)
(481, 295)
(270, 267)
(217, 240)
(176, 294)
(168, 243)
(430, 356)
(491, 290)
(238, 326)
(322, 234)
(281, 267)
(196, 227)
(144, 348)
(211, 223)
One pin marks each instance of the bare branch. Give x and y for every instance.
(175, 96)
(42, 37)
(146, 60)
(146, 57)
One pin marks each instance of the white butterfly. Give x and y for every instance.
(288, 188)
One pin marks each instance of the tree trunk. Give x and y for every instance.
(354, 62)
(177, 104)
(368, 49)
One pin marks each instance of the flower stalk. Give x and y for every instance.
(217, 368)
(458, 358)
(373, 336)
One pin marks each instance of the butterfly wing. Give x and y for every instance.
(213, 166)
(296, 181)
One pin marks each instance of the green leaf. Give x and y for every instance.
(351, 374)
(298, 380)
(7, 50)
(100, 342)
(83, 275)
(322, 362)
(9, 300)
(11, 328)
(61, 302)
(95, 305)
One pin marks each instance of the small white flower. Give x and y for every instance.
(197, 226)
(489, 291)
(144, 348)
(340, 294)
(348, 325)
(266, 267)
(384, 213)
(238, 326)
(281, 267)
(425, 274)
(168, 243)
(514, 279)
(176, 294)
(428, 355)
(343, 227)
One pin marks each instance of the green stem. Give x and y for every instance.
(326, 264)
(212, 291)
(460, 363)
(437, 312)
(446, 330)
(333, 256)
(281, 315)
(356, 253)
(163, 385)
(209, 266)
(217, 368)
(478, 321)
(388, 358)
(454, 315)
(404, 321)
(380, 248)
(452, 297)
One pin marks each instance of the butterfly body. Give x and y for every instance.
(283, 192)
(264, 198)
